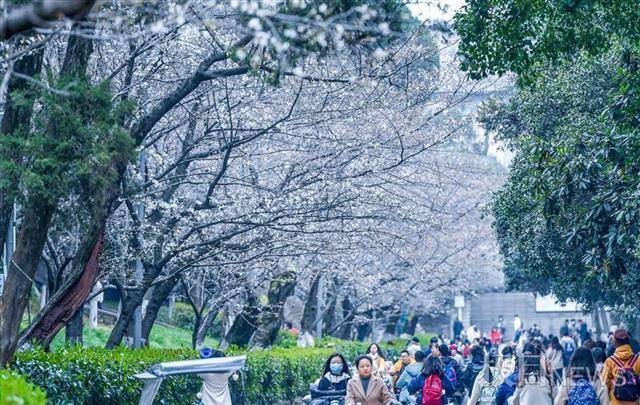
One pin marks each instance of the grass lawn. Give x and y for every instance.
(161, 337)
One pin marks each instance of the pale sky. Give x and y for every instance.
(444, 10)
(435, 9)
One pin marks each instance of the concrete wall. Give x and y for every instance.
(483, 311)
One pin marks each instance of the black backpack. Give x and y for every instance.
(627, 383)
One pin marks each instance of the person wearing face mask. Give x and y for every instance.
(333, 384)
(335, 374)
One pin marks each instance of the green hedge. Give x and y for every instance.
(98, 376)
(15, 390)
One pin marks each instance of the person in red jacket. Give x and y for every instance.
(495, 336)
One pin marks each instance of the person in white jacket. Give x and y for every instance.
(534, 387)
(486, 383)
(215, 386)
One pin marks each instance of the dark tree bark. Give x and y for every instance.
(39, 13)
(15, 297)
(244, 325)
(392, 321)
(329, 318)
(348, 314)
(74, 329)
(203, 329)
(119, 331)
(271, 317)
(410, 328)
(37, 215)
(62, 307)
(160, 293)
(308, 321)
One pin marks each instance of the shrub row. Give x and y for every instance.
(15, 390)
(98, 376)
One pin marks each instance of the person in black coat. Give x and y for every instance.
(474, 368)
(458, 327)
(454, 387)
(335, 376)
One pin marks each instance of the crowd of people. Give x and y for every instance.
(531, 369)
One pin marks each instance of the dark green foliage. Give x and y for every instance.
(100, 376)
(15, 390)
(567, 218)
(74, 139)
(520, 36)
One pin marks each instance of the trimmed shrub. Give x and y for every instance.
(15, 390)
(99, 376)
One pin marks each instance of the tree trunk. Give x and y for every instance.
(63, 305)
(329, 318)
(205, 327)
(160, 293)
(412, 324)
(197, 321)
(14, 300)
(74, 329)
(348, 314)
(392, 321)
(310, 307)
(129, 304)
(244, 325)
(595, 318)
(603, 318)
(270, 319)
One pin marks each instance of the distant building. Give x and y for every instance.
(483, 310)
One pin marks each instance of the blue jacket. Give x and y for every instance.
(458, 388)
(507, 388)
(415, 387)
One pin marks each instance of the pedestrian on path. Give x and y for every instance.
(517, 327)
(486, 383)
(377, 360)
(582, 385)
(534, 388)
(555, 358)
(621, 371)
(366, 388)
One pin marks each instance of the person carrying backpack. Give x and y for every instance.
(534, 387)
(474, 368)
(582, 386)
(621, 371)
(410, 372)
(453, 384)
(486, 383)
(432, 389)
